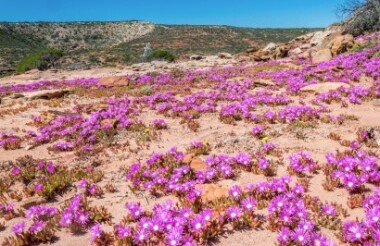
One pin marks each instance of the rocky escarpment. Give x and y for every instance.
(318, 46)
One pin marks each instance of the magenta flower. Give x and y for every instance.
(16, 170)
(140, 236)
(329, 210)
(37, 227)
(18, 228)
(235, 192)
(233, 213)
(96, 232)
(248, 204)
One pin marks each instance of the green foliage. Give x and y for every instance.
(161, 55)
(362, 46)
(41, 60)
(377, 54)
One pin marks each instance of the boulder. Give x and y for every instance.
(113, 81)
(265, 55)
(45, 94)
(324, 87)
(251, 49)
(321, 55)
(270, 47)
(318, 37)
(196, 57)
(224, 55)
(212, 192)
(341, 44)
(198, 164)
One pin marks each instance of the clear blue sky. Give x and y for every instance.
(248, 13)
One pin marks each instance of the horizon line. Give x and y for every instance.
(169, 24)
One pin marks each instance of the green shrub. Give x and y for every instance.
(362, 46)
(161, 55)
(41, 60)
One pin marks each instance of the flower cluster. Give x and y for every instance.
(301, 163)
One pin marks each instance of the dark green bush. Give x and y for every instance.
(161, 55)
(41, 60)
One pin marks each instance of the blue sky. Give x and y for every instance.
(247, 13)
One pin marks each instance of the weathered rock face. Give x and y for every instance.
(114, 81)
(324, 87)
(45, 94)
(195, 57)
(271, 52)
(321, 55)
(224, 55)
(341, 44)
(319, 37)
(271, 47)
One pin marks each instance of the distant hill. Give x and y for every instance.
(87, 44)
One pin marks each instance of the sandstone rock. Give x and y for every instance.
(188, 157)
(198, 165)
(270, 47)
(341, 44)
(114, 81)
(196, 57)
(251, 49)
(295, 51)
(321, 56)
(45, 94)
(318, 37)
(265, 55)
(324, 87)
(212, 192)
(224, 55)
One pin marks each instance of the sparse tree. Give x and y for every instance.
(362, 15)
(147, 51)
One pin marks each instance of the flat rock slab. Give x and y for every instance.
(212, 192)
(114, 81)
(43, 94)
(324, 87)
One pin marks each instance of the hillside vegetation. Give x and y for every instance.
(88, 44)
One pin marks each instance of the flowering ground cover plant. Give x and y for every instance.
(257, 159)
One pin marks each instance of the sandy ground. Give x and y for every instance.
(217, 133)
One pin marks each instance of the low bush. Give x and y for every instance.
(41, 60)
(161, 55)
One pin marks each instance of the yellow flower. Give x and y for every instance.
(147, 130)
(205, 142)
(265, 139)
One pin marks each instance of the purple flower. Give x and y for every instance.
(197, 224)
(50, 167)
(140, 236)
(284, 235)
(18, 228)
(263, 164)
(248, 204)
(301, 236)
(235, 192)
(175, 237)
(329, 210)
(123, 231)
(135, 210)
(16, 170)
(37, 227)
(233, 213)
(354, 231)
(38, 187)
(82, 218)
(96, 232)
